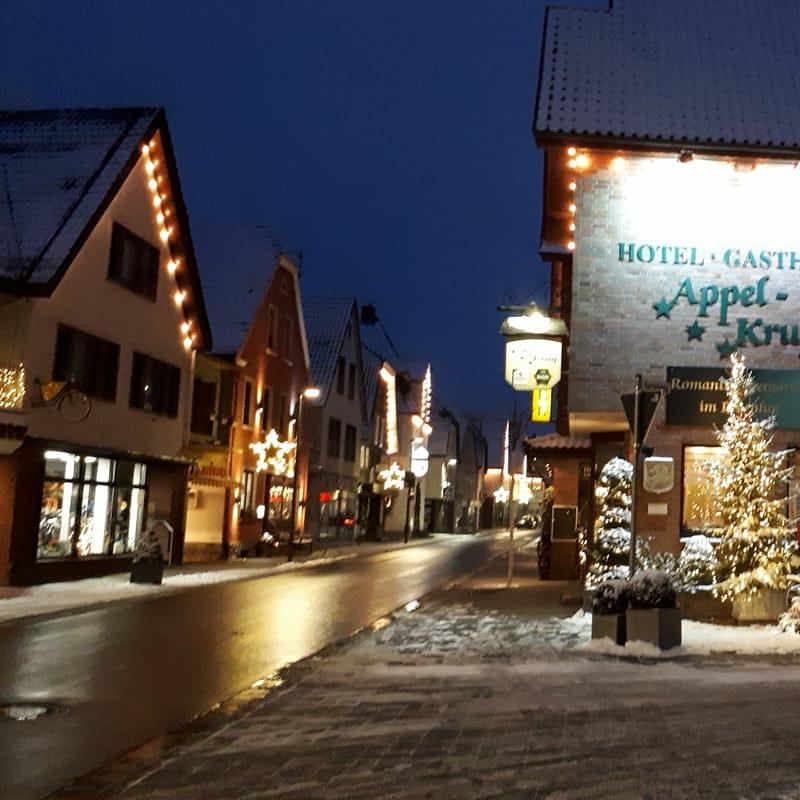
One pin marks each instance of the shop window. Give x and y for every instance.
(91, 505)
(88, 362)
(204, 406)
(350, 443)
(351, 381)
(133, 262)
(334, 437)
(247, 402)
(155, 386)
(340, 366)
(701, 498)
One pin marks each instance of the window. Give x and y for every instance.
(350, 443)
(701, 505)
(155, 386)
(87, 361)
(266, 419)
(204, 407)
(340, 375)
(246, 498)
(281, 419)
(133, 262)
(288, 324)
(272, 329)
(351, 381)
(90, 505)
(334, 437)
(247, 402)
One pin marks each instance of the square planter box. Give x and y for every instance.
(766, 606)
(609, 626)
(658, 626)
(147, 571)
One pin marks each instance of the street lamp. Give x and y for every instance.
(310, 393)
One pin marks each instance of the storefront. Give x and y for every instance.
(78, 512)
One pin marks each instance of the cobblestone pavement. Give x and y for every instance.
(459, 702)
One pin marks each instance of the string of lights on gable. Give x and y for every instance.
(427, 395)
(165, 217)
(579, 162)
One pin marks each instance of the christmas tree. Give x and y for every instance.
(612, 529)
(756, 548)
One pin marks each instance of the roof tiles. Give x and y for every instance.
(718, 73)
(56, 168)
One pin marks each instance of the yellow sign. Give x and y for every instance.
(541, 405)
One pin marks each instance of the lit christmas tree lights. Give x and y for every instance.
(757, 547)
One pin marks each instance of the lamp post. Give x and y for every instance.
(311, 393)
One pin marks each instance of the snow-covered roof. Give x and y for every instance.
(326, 320)
(57, 167)
(237, 263)
(714, 73)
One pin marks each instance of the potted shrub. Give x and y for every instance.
(609, 602)
(653, 614)
(148, 559)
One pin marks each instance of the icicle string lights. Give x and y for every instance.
(163, 213)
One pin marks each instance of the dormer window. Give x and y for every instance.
(133, 262)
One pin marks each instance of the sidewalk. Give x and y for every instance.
(479, 693)
(55, 599)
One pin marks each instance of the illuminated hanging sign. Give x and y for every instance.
(419, 460)
(533, 363)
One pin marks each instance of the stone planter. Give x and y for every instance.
(609, 626)
(657, 626)
(147, 571)
(766, 606)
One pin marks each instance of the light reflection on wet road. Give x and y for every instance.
(129, 672)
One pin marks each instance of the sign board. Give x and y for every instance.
(696, 396)
(648, 403)
(658, 474)
(541, 405)
(420, 458)
(533, 363)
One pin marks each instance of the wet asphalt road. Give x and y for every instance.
(125, 674)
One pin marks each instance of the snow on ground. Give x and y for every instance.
(461, 631)
(705, 639)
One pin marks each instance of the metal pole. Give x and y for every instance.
(511, 521)
(636, 448)
(290, 554)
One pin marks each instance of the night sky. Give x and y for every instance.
(389, 142)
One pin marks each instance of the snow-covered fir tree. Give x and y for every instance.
(608, 553)
(756, 548)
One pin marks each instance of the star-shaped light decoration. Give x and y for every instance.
(695, 331)
(725, 348)
(662, 308)
(274, 455)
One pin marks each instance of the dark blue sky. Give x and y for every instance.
(390, 142)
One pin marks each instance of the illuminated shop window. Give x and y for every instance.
(701, 501)
(91, 506)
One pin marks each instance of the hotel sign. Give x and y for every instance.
(696, 396)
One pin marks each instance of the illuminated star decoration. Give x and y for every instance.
(274, 455)
(725, 348)
(695, 331)
(662, 308)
